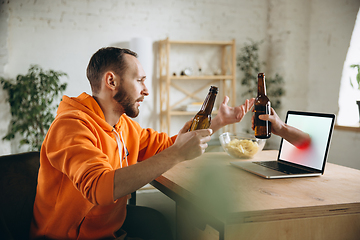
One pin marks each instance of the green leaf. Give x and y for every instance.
(31, 99)
(249, 64)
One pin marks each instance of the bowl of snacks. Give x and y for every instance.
(241, 145)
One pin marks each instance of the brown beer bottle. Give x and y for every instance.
(262, 106)
(202, 119)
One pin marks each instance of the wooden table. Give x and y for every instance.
(230, 203)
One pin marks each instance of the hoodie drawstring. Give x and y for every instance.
(120, 142)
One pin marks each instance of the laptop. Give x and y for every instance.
(294, 162)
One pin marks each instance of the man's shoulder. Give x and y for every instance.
(72, 114)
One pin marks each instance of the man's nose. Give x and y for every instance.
(145, 91)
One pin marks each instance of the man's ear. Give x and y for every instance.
(109, 78)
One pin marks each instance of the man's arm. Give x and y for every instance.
(188, 145)
(293, 135)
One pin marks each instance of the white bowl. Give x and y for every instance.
(241, 145)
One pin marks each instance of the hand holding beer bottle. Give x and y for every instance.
(291, 134)
(202, 119)
(262, 106)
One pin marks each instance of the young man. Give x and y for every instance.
(94, 155)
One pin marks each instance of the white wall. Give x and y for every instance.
(330, 35)
(4, 105)
(305, 41)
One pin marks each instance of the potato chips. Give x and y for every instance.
(242, 148)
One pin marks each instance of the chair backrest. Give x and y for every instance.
(18, 181)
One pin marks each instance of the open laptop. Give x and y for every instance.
(294, 162)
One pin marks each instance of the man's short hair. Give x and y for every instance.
(106, 59)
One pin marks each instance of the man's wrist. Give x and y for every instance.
(216, 124)
(174, 154)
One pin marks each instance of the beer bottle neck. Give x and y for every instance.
(209, 103)
(261, 85)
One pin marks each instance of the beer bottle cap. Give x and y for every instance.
(214, 89)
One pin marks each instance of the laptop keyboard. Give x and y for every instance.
(278, 166)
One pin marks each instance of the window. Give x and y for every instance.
(348, 109)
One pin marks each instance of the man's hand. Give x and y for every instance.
(229, 115)
(189, 145)
(293, 135)
(276, 123)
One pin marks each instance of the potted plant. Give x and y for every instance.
(356, 85)
(249, 63)
(31, 98)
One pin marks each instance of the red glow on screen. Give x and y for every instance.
(300, 151)
(304, 145)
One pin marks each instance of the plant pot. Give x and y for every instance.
(358, 103)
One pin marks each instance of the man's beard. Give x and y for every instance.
(126, 102)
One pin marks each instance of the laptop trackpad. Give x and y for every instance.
(257, 169)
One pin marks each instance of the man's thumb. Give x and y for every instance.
(226, 100)
(186, 127)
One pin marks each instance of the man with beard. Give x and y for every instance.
(94, 155)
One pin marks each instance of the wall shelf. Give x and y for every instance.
(348, 128)
(209, 77)
(225, 80)
(181, 113)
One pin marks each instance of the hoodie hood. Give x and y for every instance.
(86, 104)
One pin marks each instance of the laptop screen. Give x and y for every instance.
(319, 126)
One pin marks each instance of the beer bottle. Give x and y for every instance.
(262, 106)
(202, 119)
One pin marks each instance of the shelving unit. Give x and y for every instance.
(225, 79)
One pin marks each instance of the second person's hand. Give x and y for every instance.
(276, 123)
(293, 135)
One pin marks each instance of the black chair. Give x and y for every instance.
(18, 180)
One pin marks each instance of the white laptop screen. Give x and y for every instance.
(319, 127)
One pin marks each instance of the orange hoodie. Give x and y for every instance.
(79, 155)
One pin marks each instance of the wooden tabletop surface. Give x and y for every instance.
(210, 182)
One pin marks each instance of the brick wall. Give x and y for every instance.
(4, 106)
(302, 39)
